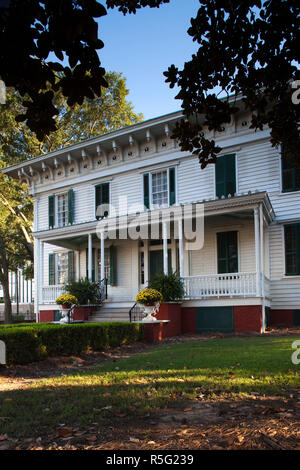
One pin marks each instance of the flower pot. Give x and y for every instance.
(65, 307)
(148, 308)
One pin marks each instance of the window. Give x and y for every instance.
(225, 176)
(227, 252)
(292, 249)
(61, 267)
(159, 188)
(102, 200)
(61, 209)
(160, 193)
(290, 173)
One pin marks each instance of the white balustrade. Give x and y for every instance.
(220, 285)
(50, 293)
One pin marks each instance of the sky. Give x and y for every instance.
(143, 46)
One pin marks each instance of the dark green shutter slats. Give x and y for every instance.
(227, 252)
(51, 211)
(172, 187)
(292, 249)
(225, 176)
(112, 261)
(102, 197)
(51, 269)
(71, 206)
(290, 173)
(146, 191)
(71, 266)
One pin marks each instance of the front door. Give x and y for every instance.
(157, 262)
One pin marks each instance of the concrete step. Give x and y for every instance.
(112, 311)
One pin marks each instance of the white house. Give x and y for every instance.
(87, 195)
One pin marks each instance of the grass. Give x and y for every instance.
(165, 377)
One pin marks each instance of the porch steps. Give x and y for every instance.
(112, 311)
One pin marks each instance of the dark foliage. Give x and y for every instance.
(26, 344)
(169, 285)
(86, 291)
(247, 48)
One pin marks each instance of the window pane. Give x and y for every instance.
(62, 267)
(62, 210)
(160, 189)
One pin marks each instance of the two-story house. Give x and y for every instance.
(98, 209)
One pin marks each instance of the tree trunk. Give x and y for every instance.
(7, 301)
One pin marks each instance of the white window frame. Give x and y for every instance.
(65, 194)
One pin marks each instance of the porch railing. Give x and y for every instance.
(220, 285)
(50, 293)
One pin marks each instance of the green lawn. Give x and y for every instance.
(165, 377)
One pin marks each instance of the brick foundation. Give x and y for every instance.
(247, 318)
(46, 315)
(188, 320)
(155, 332)
(281, 318)
(172, 312)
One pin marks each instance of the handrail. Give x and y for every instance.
(103, 289)
(133, 312)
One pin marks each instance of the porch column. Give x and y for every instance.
(181, 270)
(257, 251)
(146, 262)
(78, 265)
(90, 255)
(42, 269)
(102, 255)
(262, 259)
(165, 247)
(36, 277)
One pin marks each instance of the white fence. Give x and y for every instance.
(50, 293)
(220, 285)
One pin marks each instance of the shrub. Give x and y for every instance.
(171, 286)
(149, 296)
(85, 290)
(35, 342)
(66, 299)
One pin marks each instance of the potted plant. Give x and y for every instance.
(66, 300)
(148, 298)
(170, 285)
(172, 288)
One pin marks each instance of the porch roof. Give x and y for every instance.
(238, 204)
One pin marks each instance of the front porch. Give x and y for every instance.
(201, 287)
(231, 267)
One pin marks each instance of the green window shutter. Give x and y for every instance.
(71, 266)
(51, 211)
(146, 191)
(101, 197)
(172, 187)
(51, 269)
(292, 249)
(225, 175)
(227, 252)
(290, 173)
(71, 206)
(112, 261)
